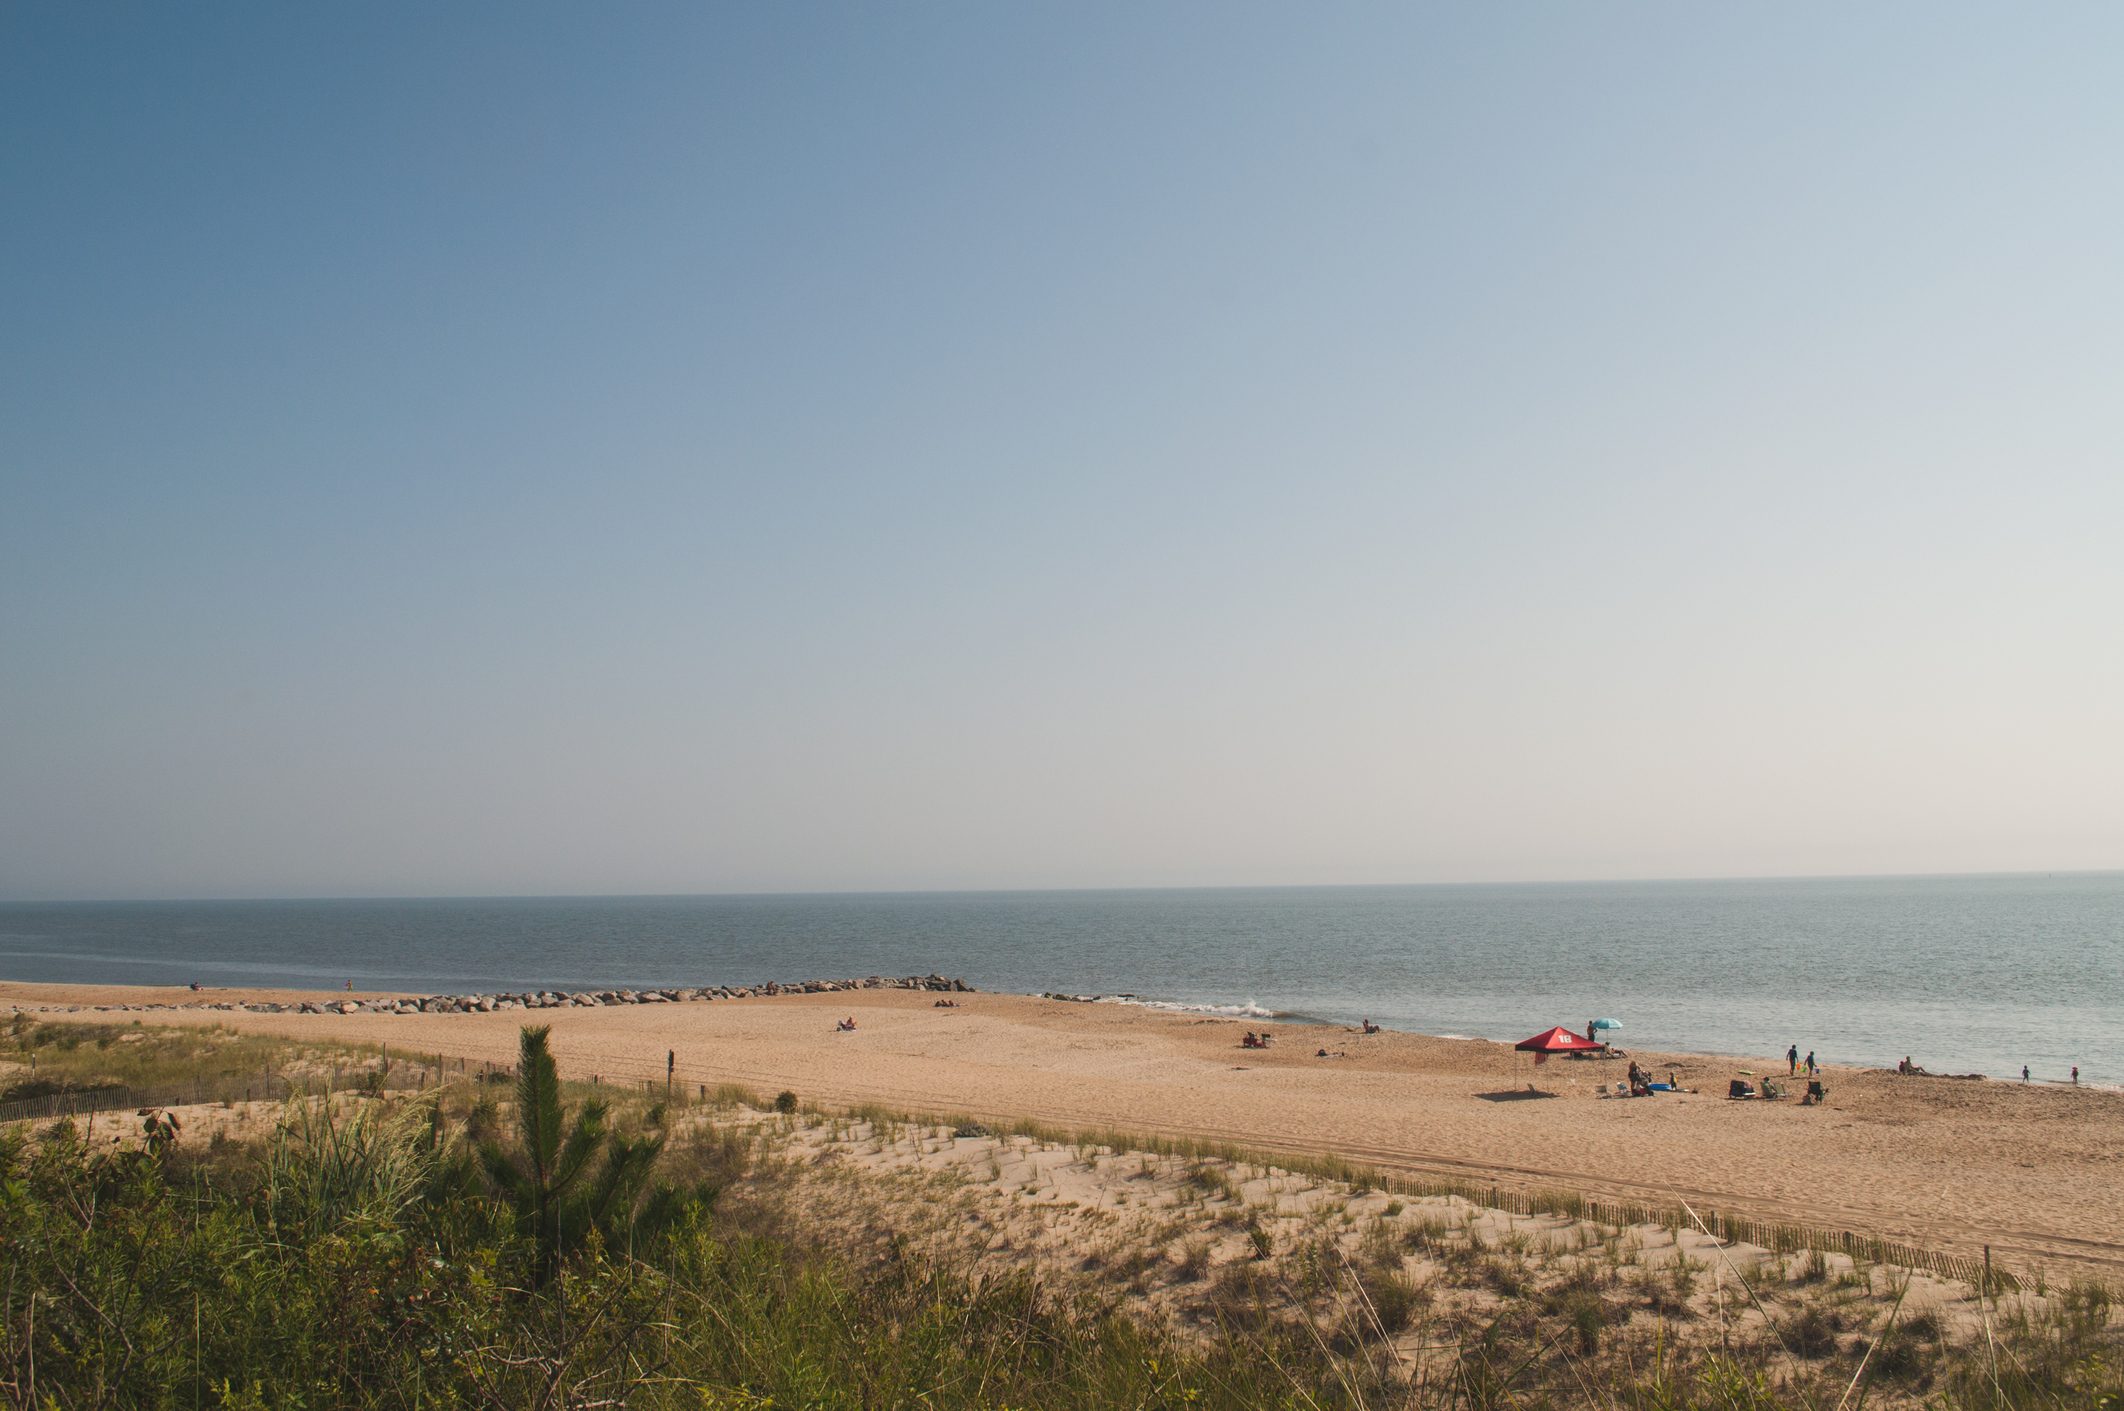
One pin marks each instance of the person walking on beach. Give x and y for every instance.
(1813, 1069)
(1792, 1059)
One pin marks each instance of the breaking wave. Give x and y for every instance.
(1248, 1010)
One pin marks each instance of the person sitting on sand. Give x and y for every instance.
(1370, 1027)
(846, 1026)
(1252, 1040)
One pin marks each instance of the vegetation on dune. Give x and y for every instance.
(448, 1251)
(46, 1058)
(359, 1262)
(566, 1180)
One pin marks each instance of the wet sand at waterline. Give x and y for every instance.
(2036, 1172)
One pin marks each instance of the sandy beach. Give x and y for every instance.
(2035, 1172)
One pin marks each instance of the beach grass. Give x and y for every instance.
(346, 1252)
(63, 1065)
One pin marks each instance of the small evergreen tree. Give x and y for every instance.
(566, 1178)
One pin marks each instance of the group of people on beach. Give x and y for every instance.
(1793, 1063)
(1254, 1040)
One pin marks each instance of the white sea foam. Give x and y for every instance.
(1248, 1010)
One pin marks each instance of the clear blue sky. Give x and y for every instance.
(518, 448)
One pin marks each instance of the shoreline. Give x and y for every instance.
(2035, 1171)
(120, 997)
(1252, 1013)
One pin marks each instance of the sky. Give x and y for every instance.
(521, 449)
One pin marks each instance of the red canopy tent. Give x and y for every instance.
(1557, 1040)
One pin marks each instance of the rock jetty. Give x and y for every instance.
(538, 999)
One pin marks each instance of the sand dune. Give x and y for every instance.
(2035, 1172)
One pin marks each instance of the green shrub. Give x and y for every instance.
(1395, 1300)
(1587, 1314)
(1811, 1332)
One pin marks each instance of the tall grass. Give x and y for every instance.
(355, 1260)
(326, 1168)
(354, 1257)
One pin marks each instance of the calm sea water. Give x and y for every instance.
(1963, 973)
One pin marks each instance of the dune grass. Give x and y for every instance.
(133, 1055)
(357, 1256)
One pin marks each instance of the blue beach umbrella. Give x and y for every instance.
(1607, 1023)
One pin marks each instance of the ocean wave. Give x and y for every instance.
(1248, 1010)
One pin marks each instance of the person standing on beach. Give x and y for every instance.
(1792, 1058)
(1813, 1069)
(2024, 1072)
(2076, 1075)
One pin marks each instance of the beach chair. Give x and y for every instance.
(1740, 1087)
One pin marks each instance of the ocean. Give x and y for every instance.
(1963, 974)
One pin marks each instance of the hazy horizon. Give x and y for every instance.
(1266, 886)
(692, 450)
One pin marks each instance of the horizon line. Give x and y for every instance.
(1033, 891)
